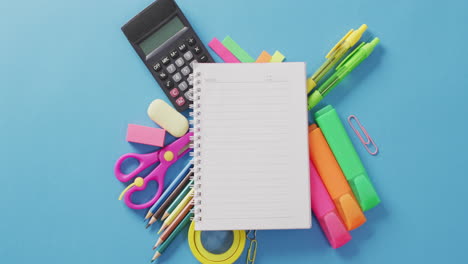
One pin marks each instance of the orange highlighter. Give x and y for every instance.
(334, 179)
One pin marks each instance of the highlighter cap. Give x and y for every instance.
(351, 213)
(334, 229)
(364, 192)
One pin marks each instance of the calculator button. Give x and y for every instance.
(177, 77)
(163, 75)
(171, 68)
(182, 47)
(183, 86)
(174, 92)
(185, 70)
(192, 63)
(203, 58)
(188, 56)
(189, 94)
(157, 67)
(197, 50)
(169, 84)
(180, 101)
(190, 79)
(191, 41)
(179, 62)
(174, 54)
(165, 60)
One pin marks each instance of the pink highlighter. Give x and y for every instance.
(325, 211)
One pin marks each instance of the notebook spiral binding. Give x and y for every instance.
(196, 153)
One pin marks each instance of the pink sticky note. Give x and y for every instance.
(222, 51)
(325, 211)
(146, 135)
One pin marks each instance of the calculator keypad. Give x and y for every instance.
(179, 62)
(163, 75)
(197, 50)
(177, 77)
(157, 67)
(185, 70)
(171, 69)
(174, 54)
(165, 60)
(180, 101)
(188, 56)
(174, 70)
(174, 92)
(182, 47)
(169, 84)
(191, 41)
(183, 86)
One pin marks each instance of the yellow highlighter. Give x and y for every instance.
(335, 54)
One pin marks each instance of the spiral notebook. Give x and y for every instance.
(251, 157)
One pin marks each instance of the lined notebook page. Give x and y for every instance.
(254, 169)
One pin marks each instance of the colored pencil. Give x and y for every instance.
(176, 211)
(177, 200)
(168, 241)
(186, 170)
(169, 200)
(174, 224)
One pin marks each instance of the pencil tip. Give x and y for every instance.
(156, 255)
(165, 216)
(148, 215)
(148, 225)
(157, 244)
(153, 220)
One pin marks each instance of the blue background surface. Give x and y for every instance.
(70, 83)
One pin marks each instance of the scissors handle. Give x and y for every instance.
(144, 160)
(156, 175)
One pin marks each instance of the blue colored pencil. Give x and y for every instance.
(169, 190)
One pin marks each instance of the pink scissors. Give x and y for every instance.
(166, 156)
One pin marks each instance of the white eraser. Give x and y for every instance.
(168, 118)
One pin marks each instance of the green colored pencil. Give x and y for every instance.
(176, 231)
(177, 200)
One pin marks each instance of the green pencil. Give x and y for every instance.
(176, 231)
(177, 200)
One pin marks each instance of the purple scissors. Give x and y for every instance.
(166, 156)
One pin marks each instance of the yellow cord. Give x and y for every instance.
(138, 182)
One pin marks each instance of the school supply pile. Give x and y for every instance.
(256, 163)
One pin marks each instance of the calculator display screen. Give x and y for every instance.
(161, 35)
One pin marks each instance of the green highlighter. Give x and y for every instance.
(347, 157)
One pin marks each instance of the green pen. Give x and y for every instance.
(342, 70)
(347, 157)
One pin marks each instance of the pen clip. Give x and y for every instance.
(350, 56)
(339, 43)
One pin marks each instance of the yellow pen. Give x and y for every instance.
(335, 54)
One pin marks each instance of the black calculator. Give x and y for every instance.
(168, 45)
